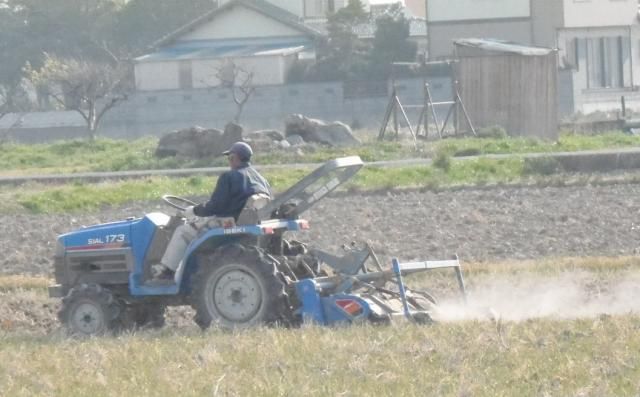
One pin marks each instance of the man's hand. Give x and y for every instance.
(188, 213)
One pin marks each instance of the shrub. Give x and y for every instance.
(442, 161)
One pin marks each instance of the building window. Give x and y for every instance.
(606, 57)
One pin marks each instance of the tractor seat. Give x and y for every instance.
(249, 214)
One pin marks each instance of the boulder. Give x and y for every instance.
(265, 140)
(197, 142)
(232, 133)
(273, 135)
(295, 140)
(313, 130)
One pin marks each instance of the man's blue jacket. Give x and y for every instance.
(233, 189)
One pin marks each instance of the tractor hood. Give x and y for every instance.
(110, 235)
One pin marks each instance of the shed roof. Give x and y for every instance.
(503, 46)
(205, 49)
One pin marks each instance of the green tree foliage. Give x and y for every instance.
(31, 28)
(12, 33)
(343, 56)
(85, 29)
(391, 42)
(142, 22)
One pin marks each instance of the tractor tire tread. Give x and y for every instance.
(276, 298)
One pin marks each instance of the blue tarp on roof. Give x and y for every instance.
(203, 49)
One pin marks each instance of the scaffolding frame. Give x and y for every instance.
(427, 108)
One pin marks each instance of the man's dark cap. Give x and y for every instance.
(241, 149)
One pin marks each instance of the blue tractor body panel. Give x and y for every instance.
(137, 235)
(333, 309)
(134, 233)
(116, 259)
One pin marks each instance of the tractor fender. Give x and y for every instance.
(212, 239)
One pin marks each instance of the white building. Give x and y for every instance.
(448, 21)
(264, 38)
(319, 8)
(597, 40)
(598, 45)
(258, 37)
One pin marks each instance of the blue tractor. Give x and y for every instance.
(239, 273)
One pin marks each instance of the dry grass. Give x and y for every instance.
(594, 356)
(545, 266)
(587, 357)
(13, 282)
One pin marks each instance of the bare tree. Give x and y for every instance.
(238, 81)
(12, 99)
(87, 87)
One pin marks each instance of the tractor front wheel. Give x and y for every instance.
(238, 287)
(89, 309)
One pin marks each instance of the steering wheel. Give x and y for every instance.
(169, 200)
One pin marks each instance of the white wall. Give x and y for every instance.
(267, 70)
(460, 10)
(152, 76)
(417, 7)
(443, 35)
(155, 76)
(546, 18)
(240, 22)
(580, 13)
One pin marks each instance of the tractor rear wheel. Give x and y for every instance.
(89, 309)
(238, 287)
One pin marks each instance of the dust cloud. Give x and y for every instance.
(567, 296)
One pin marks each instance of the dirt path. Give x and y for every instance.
(477, 224)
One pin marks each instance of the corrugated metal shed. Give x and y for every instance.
(509, 85)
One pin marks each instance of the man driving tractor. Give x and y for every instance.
(232, 191)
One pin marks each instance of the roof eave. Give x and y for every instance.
(189, 27)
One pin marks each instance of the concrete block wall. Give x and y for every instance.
(158, 112)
